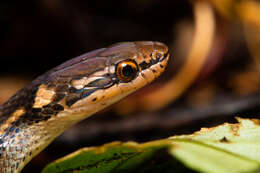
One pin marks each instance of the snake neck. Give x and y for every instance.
(16, 139)
(25, 130)
(31, 120)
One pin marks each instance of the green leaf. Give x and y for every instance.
(112, 157)
(229, 148)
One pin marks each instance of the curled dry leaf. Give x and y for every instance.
(187, 74)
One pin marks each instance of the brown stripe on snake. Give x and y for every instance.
(78, 88)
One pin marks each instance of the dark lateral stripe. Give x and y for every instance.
(144, 65)
(71, 100)
(35, 115)
(78, 95)
(164, 57)
(24, 98)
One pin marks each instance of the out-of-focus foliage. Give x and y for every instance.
(228, 148)
(9, 85)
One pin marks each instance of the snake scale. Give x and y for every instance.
(32, 118)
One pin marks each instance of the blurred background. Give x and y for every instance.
(212, 76)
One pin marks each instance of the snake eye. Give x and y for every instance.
(126, 70)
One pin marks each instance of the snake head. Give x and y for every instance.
(116, 71)
(93, 81)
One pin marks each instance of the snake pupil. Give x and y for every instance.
(127, 71)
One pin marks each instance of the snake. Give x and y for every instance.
(78, 88)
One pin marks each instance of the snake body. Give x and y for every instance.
(74, 90)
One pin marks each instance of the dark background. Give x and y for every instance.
(38, 35)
